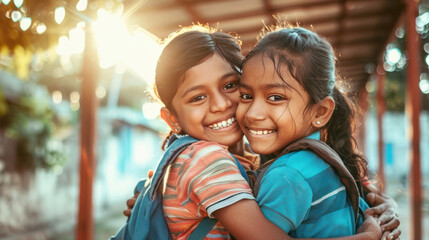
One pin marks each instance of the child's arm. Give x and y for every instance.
(385, 210)
(245, 220)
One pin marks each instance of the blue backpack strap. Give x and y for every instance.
(173, 150)
(203, 228)
(144, 211)
(241, 168)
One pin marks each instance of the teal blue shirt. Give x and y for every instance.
(302, 195)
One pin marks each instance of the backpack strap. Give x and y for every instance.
(241, 169)
(203, 228)
(174, 149)
(329, 156)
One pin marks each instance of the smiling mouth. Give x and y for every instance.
(223, 124)
(261, 132)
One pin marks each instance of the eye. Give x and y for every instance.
(276, 98)
(198, 98)
(245, 96)
(230, 85)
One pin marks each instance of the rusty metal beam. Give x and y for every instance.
(195, 16)
(270, 11)
(356, 30)
(174, 4)
(341, 21)
(413, 108)
(363, 104)
(88, 125)
(387, 13)
(381, 107)
(353, 61)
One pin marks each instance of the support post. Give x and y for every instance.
(88, 125)
(381, 108)
(413, 108)
(361, 128)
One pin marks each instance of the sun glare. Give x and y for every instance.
(143, 53)
(139, 51)
(111, 36)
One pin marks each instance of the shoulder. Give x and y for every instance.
(306, 162)
(204, 148)
(202, 154)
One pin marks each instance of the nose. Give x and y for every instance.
(220, 102)
(255, 112)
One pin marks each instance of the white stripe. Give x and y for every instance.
(328, 195)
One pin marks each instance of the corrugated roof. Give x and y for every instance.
(358, 29)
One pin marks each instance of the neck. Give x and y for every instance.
(238, 148)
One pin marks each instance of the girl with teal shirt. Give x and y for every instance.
(288, 92)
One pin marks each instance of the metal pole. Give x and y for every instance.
(88, 113)
(363, 102)
(413, 108)
(381, 106)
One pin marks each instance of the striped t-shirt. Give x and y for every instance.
(201, 180)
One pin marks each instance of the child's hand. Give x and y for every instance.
(130, 205)
(370, 228)
(385, 211)
(132, 201)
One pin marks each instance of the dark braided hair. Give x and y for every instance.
(310, 60)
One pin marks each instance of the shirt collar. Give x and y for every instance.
(315, 135)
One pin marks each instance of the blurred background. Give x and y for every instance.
(79, 126)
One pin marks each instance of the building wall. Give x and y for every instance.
(41, 199)
(396, 143)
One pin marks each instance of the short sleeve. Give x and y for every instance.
(362, 207)
(284, 197)
(212, 180)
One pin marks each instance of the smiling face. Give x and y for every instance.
(272, 112)
(206, 101)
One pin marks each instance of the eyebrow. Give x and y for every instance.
(232, 73)
(267, 86)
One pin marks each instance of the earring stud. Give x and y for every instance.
(177, 129)
(317, 122)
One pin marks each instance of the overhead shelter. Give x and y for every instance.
(359, 31)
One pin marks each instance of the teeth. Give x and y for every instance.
(223, 124)
(260, 132)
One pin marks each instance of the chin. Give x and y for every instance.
(230, 139)
(261, 149)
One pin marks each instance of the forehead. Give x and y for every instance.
(265, 68)
(212, 66)
(208, 75)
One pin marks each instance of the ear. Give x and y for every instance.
(323, 112)
(171, 120)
